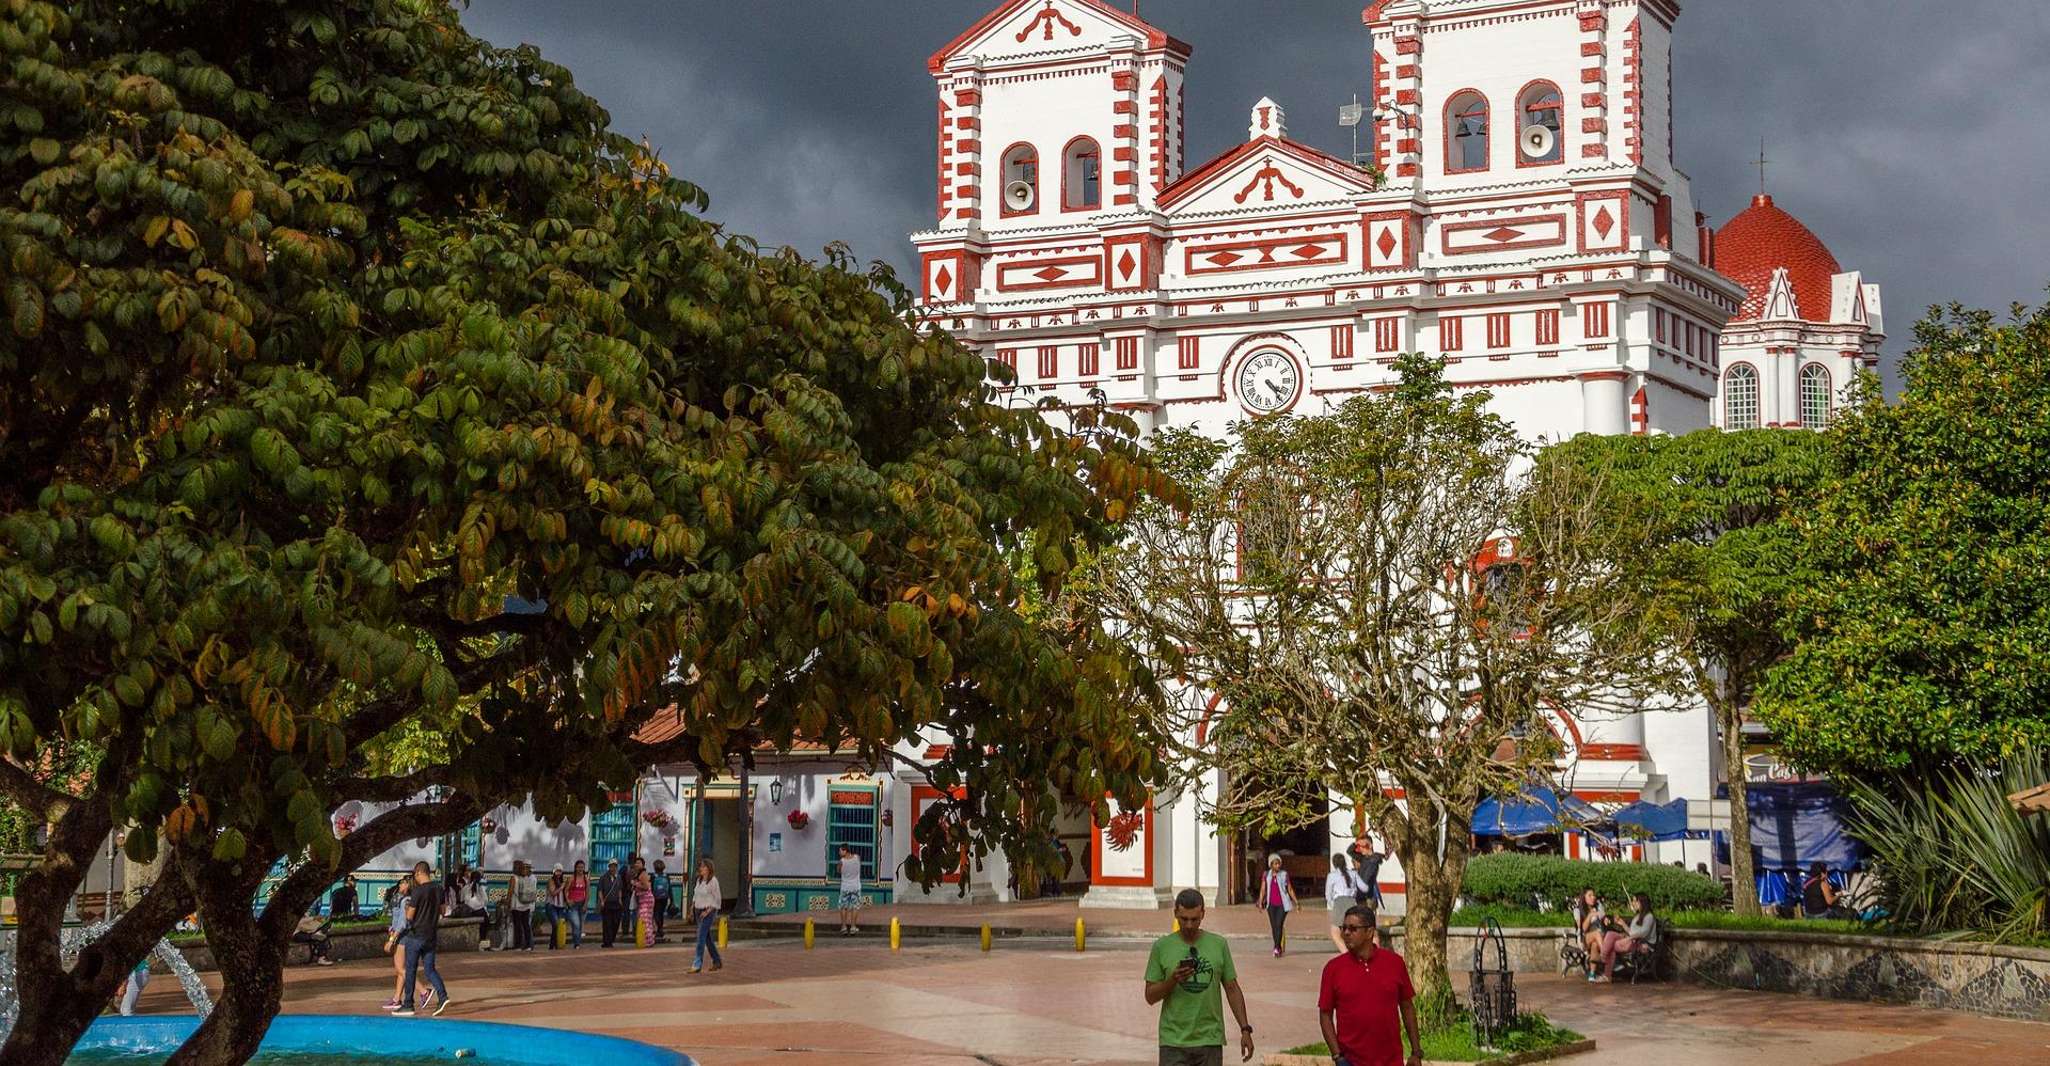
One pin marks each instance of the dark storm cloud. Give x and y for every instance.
(1909, 134)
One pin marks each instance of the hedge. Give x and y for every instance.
(1547, 882)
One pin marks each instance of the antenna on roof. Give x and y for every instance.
(1349, 116)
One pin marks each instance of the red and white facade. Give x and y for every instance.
(1804, 331)
(1528, 224)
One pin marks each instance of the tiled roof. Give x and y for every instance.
(1763, 238)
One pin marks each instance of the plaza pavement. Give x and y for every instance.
(1036, 1002)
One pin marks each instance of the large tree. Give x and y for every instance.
(1720, 560)
(1920, 642)
(1384, 604)
(331, 332)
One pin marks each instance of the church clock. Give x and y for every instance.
(1268, 382)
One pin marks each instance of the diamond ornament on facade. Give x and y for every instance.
(943, 281)
(1504, 234)
(1604, 222)
(1387, 243)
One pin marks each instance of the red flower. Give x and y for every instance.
(799, 819)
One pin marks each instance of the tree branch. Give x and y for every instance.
(21, 786)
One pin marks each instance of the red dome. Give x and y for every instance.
(1763, 238)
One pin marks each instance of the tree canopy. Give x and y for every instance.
(1718, 553)
(1383, 602)
(331, 332)
(1920, 640)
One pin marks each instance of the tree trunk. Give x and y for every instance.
(58, 1005)
(1431, 891)
(252, 969)
(1743, 879)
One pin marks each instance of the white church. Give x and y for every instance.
(1523, 218)
(1522, 215)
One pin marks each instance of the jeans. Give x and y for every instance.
(420, 955)
(1276, 916)
(610, 917)
(522, 930)
(708, 939)
(575, 913)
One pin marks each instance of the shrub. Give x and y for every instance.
(1548, 882)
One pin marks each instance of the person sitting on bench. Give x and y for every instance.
(1641, 935)
(313, 932)
(1820, 898)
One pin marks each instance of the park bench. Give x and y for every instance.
(1643, 960)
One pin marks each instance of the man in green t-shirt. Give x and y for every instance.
(1185, 973)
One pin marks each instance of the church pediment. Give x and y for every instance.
(1022, 29)
(1268, 172)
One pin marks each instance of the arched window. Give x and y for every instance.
(1540, 104)
(1081, 176)
(1466, 133)
(1740, 397)
(1815, 396)
(1021, 164)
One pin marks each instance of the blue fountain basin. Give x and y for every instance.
(374, 1040)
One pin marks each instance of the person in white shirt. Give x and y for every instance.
(1342, 890)
(850, 890)
(705, 901)
(521, 893)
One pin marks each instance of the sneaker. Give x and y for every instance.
(323, 962)
(392, 1003)
(853, 930)
(697, 969)
(426, 998)
(441, 1006)
(717, 966)
(404, 1012)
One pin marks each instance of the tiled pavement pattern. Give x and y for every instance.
(1034, 1002)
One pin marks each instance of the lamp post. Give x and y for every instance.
(744, 907)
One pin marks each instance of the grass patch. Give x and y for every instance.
(1454, 1043)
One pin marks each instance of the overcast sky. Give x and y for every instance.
(1909, 134)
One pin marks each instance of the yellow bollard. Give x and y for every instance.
(642, 932)
(896, 935)
(722, 932)
(985, 936)
(1081, 935)
(809, 933)
(561, 931)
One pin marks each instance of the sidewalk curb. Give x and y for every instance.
(1578, 1047)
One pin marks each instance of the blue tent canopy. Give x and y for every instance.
(1537, 810)
(1797, 823)
(1652, 821)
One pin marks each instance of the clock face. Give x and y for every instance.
(1268, 382)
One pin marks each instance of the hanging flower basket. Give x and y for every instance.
(344, 825)
(659, 819)
(798, 820)
(488, 824)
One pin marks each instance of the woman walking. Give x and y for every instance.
(1341, 892)
(520, 896)
(578, 895)
(395, 915)
(705, 901)
(1277, 898)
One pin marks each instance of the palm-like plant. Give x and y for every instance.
(1955, 857)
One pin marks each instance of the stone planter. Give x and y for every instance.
(2007, 982)
(1563, 1050)
(457, 934)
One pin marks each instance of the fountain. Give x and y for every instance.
(73, 939)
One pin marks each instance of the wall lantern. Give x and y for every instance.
(776, 790)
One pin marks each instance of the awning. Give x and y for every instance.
(1537, 810)
(1652, 821)
(1795, 824)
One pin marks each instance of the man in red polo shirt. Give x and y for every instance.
(1359, 998)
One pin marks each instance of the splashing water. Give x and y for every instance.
(76, 938)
